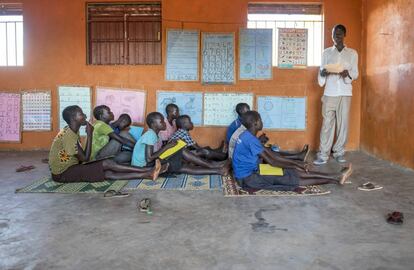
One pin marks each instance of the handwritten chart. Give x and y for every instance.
(255, 54)
(120, 101)
(182, 55)
(74, 95)
(282, 112)
(220, 108)
(10, 117)
(190, 103)
(37, 110)
(218, 58)
(292, 51)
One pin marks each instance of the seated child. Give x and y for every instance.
(302, 155)
(182, 161)
(237, 125)
(241, 109)
(184, 125)
(248, 152)
(66, 154)
(172, 112)
(103, 133)
(122, 152)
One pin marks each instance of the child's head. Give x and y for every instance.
(172, 111)
(252, 119)
(103, 113)
(184, 122)
(242, 108)
(124, 121)
(155, 121)
(74, 114)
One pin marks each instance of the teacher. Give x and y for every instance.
(338, 70)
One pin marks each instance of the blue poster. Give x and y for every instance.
(255, 54)
(218, 58)
(282, 112)
(75, 95)
(182, 55)
(190, 103)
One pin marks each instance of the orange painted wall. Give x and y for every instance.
(55, 54)
(388, 99)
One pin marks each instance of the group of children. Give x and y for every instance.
(112, 153)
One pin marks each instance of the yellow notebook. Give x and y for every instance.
(266, 169)
(180, 144)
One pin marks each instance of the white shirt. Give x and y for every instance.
(335, 85)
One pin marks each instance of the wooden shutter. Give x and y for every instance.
(311, 9)
(124, 34)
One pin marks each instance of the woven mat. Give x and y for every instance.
(232, 189)
(179, 182)
(47, 185)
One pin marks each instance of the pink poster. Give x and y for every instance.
(9, 117)
(122, 101)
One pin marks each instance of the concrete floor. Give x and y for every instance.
(204, 230)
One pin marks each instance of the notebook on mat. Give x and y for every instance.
(180, 144)
(266, 169)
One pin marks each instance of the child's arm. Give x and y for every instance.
(282, 162)
(84, 156)
(122, 140)
(149, 151)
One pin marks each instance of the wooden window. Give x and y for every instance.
(124, 34)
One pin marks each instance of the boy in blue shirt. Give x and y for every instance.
(237, 125)
(249, 152)
(182, 161)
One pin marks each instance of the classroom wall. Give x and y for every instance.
(388, 97)
(55, 54)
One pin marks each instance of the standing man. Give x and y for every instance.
(339, 68)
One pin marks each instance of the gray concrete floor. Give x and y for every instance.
(204, 230)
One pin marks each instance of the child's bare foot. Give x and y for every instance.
(164, 168)
(345, 173)
(156, 171)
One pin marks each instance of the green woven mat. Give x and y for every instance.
(47, 185)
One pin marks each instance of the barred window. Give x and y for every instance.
(11, 34)
(124, 34)
(274, 16)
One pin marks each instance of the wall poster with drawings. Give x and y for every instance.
(10, 117)
(37, 110)
(121, 101)
(190, 103)
(292, 48)
(255, 49)
(218, 58)
(75, 95)
(220, 108)
(286, 113)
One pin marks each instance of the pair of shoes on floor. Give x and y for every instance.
(320, 161)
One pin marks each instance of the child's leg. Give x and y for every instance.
(296, 156)
(192, 158)
(114, 171)
(197, 170)
(113, 148)
(319, 178)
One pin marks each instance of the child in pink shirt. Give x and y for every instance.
(164, 135)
